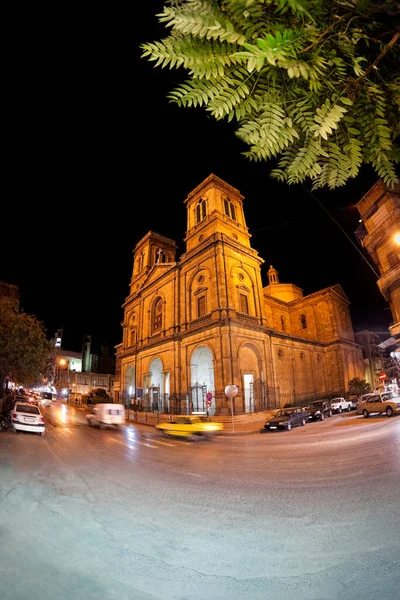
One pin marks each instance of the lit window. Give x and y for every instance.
(244, 304)
(157, 315)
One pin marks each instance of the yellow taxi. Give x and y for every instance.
(192, 427)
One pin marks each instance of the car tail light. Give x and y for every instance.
(15, 416)
(41, 419)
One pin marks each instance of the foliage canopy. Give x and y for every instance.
(358, 386)
(26, 356)
(314, 83)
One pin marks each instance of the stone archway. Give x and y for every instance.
(130, 383)
(249, 367)
(202, 374)
(156, 385)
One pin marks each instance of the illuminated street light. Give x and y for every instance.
(397, 238)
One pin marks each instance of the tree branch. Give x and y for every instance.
(382, 54)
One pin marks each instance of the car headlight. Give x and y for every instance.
(317, 412)
(282, 422)
(267, 423)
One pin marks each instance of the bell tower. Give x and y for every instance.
(215, 207)
(152, 250)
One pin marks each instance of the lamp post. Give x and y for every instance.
(230, 392)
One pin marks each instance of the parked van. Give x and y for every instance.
(107, 415)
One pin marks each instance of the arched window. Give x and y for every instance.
(283, 323)
(229, 209)
(160, 256)
(140, 262)
(132, 337)
(157, 315)
(303, 321)
(201, 210)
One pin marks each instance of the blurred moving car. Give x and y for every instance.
(27, 417)
(49, 396)
(107, 415)
(379, 402)
(319, 409)
(192, 427)
(46, 402)
(286, 418)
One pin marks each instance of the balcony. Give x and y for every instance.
(394, 329)
(388, 279)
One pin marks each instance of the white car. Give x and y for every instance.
(27, 417)
(107, 415)
(340, 404)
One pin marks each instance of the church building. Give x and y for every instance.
(193, 325)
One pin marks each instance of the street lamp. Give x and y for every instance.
(396, 238)
(230, 392)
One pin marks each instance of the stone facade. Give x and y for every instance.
(379, 233)
(194, 325)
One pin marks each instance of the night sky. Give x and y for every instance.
(97, 157)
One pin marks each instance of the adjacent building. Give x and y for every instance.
(379, 234)
(194, 324)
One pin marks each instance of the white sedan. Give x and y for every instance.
(27, 417)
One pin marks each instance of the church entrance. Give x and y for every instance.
(202, 379)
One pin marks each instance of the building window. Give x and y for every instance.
(201, 306)
(157, 315)
(281, 353)
(394, 258)
(283, 323)
(229, 209)
(140, 263)
(201, 210)
(303, 322)
(160, 256)
(132, 337)
(244, 304)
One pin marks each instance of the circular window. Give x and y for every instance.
(241, 276)
(200, 279)
(280, 353)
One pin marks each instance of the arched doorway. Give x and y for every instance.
(248, 361)
(130, 384)
(202, 379)
(156, 386)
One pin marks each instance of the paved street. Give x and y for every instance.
(310, 514)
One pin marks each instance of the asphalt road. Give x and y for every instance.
(310, 514)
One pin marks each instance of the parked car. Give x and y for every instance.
(355, 400)
(191, 427)
(379, 402)
(319, 409)
(286, 418)
(27, 417)
(340, 405)
(107, 415)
